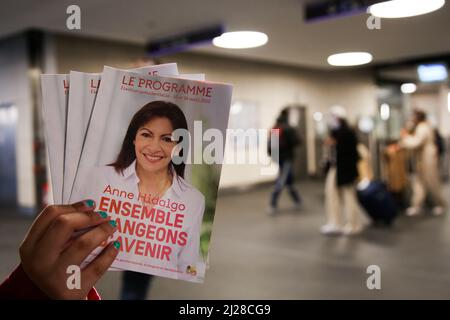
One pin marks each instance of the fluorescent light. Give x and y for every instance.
(385, 111)
(408, 88)
(241, 40)
(404, 8)
(318, 116)
(432, 72)
(349, 59)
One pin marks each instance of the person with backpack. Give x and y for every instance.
(286, 141)
(427, 181)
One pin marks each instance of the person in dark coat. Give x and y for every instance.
(341, 178)
(286, 143)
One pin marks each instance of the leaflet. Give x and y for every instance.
(152, 160)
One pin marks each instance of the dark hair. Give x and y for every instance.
(155, 109)
(283, 117)
(343, 122)
(420, 115)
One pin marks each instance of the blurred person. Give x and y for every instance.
(364, 165)
(135, 285)
(287, 142)
(440, 142)
(53, 243)
(441, 150)
(341, 177)
(427, 180)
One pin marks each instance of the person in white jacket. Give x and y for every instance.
(426, 180)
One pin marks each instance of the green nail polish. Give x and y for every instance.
(113, 223)
(90, 203)
(116, 244)
(102, 214)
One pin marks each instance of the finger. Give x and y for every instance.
(50, 213)
(63, 227)
(94, 270)
(45, 218)
(81, 247)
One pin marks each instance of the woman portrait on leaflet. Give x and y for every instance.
(145, 175)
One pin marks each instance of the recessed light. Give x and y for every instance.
(385, 111)
(404, 8)
(349, 59)
(408, 88)
(241, 40)
(318, 116)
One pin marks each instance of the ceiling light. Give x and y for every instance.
(434, 72)
(385, 111)
(349, 59)
(318, 116)
(240, 40)
(404, 8)
(408, 88)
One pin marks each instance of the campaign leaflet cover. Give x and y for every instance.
(55, 91)
(152, 160)
(82, 95)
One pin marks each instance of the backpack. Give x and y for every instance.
(287, 139)
(439, 141)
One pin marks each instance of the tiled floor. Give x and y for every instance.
(255, 256)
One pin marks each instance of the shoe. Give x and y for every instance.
(413, 211)
(297, 206)
(271, 211)
(352, 231)
(330, 230)
(438, 211)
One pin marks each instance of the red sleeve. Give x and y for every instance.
(17, 286)
(93, 295)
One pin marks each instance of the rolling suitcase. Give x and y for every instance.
(377, 201)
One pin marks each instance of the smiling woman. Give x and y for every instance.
(148, 141)
(142, 184)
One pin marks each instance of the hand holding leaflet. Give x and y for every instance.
(128, 164)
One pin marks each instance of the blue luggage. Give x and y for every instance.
(377, 201)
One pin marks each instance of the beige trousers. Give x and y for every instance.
(336, 198)
(427, 182)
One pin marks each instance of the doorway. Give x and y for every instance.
(8, 178)
(297, 119)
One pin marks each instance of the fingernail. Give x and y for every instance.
(89, 203)
(102, 214)
(116, 244)
(113, 223)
